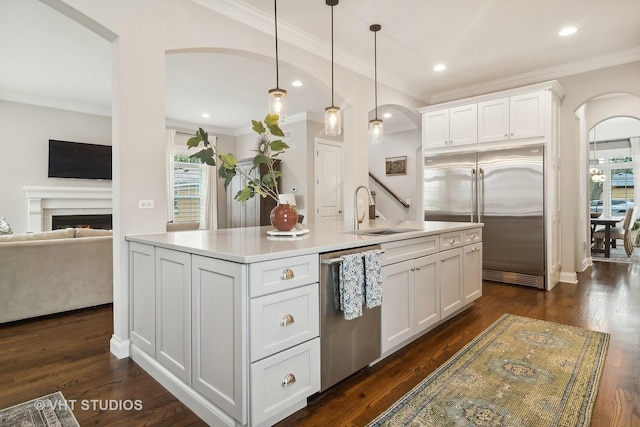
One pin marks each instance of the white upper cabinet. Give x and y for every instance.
(521, 116)
(493, 120)
(527, 115)
(451, 126)
(515, 117)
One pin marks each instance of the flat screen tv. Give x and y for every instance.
(79, 160)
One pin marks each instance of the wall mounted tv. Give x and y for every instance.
(79, 160)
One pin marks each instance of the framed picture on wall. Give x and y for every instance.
(395, 165)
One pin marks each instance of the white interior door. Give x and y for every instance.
(328, 179)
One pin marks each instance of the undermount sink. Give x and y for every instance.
(383, 231)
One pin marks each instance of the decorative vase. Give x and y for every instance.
(284, 217)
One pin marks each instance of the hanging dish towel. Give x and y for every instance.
(351, 285)
(373, 278)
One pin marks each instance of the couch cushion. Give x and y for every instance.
(5, 228)
(44, 235)
(92, 232)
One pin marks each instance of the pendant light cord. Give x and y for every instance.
(275, 16)
(375, 29)
(332, 104)
(375, 68)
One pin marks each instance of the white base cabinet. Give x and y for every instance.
(410, 298)
(419, 292)
(173, 312)
(218, 308)
(472, 274)
(247, 351)
(450, 281)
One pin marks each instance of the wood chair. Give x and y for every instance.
(623, 234)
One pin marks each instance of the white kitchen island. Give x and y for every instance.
(212, 311)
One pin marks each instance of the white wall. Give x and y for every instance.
(405, 186)
(25, 131)
(579, 89)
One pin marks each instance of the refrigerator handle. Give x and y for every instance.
(473, 193)
(480, 194)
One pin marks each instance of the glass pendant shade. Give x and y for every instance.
(375, 131)
(278, 103)
(332, 121)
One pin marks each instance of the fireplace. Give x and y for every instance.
(43, 203)
(101, 221)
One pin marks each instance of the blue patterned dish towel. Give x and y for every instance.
(351, 285)
(373, 278)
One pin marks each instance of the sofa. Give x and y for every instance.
(54, 271)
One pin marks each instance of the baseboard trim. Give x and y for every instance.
(569, 277)
(206, 410)
(119, 348)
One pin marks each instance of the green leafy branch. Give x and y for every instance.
(267, 153)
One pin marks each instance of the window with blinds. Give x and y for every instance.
(187, 189)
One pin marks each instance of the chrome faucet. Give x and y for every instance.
(356, 219)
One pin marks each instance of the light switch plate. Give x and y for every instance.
(145, 204)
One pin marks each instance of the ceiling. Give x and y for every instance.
(47, 59)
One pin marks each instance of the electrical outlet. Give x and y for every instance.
(145, 204)
(408, 201)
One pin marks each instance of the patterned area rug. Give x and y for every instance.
(518, 372)
(46, 411)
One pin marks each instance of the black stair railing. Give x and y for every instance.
(388, 190)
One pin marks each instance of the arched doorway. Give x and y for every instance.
(611, 147)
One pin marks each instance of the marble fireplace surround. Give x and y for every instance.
(44, 202)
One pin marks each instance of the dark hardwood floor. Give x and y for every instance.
(70, 353)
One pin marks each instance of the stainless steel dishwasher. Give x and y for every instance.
(346, 346)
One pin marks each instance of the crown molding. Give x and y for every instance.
(551, 73)
(57, 104)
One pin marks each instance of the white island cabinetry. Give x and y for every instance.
(424, 285)
(203, 315)
(229, 320)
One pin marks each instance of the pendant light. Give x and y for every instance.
(332, 115)
(277, 96)
(375, 125)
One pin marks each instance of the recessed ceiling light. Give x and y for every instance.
(567, 31)
(387, 115)
(296, 83)
(439, 67)
(205, 115)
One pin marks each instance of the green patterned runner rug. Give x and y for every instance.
(518, 372)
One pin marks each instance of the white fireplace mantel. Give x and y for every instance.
(69, 199)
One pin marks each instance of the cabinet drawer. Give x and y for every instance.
(403, 250)
(472, 236)
(452, 240)
(282, 320)
(282, 274)
(283, 380)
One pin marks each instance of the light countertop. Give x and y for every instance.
(252, 244)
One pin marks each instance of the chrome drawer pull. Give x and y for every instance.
(287, 274)
(288, 380)
(287, 320)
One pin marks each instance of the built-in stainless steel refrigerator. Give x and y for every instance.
(504, 190)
